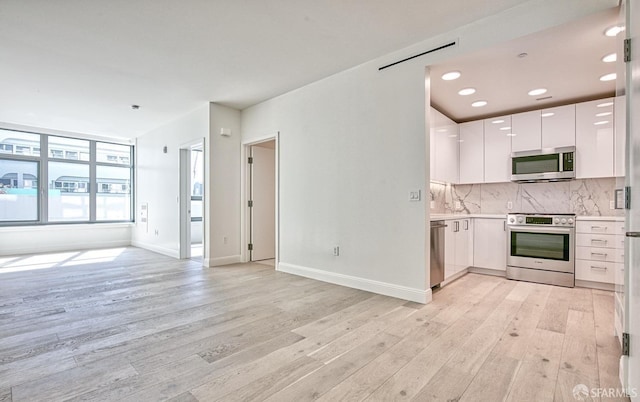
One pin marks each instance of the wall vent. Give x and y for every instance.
(435, 49)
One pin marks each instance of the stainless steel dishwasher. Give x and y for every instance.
(437, 252)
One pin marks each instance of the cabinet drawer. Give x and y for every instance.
(596, 240)
(595, 271)
(601, 227)
(599, 254)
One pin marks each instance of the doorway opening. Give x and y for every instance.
(261, 223)
(192, 179)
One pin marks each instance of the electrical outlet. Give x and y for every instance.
(156, 232)
(612, 205)
(458, 205)
(336, 251)
(414, 195)
(432, 204)
(509, 205)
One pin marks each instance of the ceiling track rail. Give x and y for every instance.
(418, 55)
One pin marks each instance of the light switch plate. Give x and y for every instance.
(414, 195)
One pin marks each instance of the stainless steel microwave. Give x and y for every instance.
(548, 164)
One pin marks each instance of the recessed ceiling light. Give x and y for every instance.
(608, 77)
(442, 130)
(451, 75)
(480, 103)
(604, 104)
(599, 123)
(505, 128)
(467, 91)
(547, 114)
(603, 114)
(511, 135)
(614, 30)
(610, 58)
(498, 121)
(452, 135)
(538, 91)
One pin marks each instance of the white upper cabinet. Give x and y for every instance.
(471, 152)
(497, 149)
(619, 136)
(594, 139)
(559, 126)
(444, 148)
(527, 131)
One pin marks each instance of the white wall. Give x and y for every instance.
(158, 180)
(223, 189)
(41, 239)
(354, 144)
(351, 148)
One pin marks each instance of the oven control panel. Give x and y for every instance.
(566, 220)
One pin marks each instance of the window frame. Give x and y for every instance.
(43, 179)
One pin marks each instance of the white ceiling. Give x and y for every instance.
(566, 60)
(79, 65)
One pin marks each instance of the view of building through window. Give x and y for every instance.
(71, 193)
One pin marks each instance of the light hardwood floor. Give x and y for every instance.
(131, 325)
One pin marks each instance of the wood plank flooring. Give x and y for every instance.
(130, 325)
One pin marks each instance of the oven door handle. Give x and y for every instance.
(536, 229)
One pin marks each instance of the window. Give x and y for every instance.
(86, 180)
(113, 153)
(18, 190)
(114, 193)
(69, 148)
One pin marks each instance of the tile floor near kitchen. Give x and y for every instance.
(131, 325)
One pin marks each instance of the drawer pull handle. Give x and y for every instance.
(596, 267)
(600, 254)
(599, 240)
(598, 228)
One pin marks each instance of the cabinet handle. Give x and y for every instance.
(504, 226)
(599, 240)
(600, 254)
(457, 226)
(599, 227)
(596, 267)
(465, 225)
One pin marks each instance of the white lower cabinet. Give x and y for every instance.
(599, 250)
(457, 240)
(490, 243)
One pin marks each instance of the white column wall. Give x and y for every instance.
(223, 189)
(158, 181)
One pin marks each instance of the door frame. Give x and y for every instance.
(245, 189)
(185, 197)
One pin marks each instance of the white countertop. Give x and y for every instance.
(600, 218)
(447, 217)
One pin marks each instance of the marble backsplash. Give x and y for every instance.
(589, 197)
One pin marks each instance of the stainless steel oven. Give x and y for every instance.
(541, 248)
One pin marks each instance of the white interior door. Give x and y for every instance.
(632, 218)
(263, 198)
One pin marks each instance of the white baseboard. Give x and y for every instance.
(454, 277)
(216, 262)
(595, 285)
(383, 288)
(487, 271)
(169, 252)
